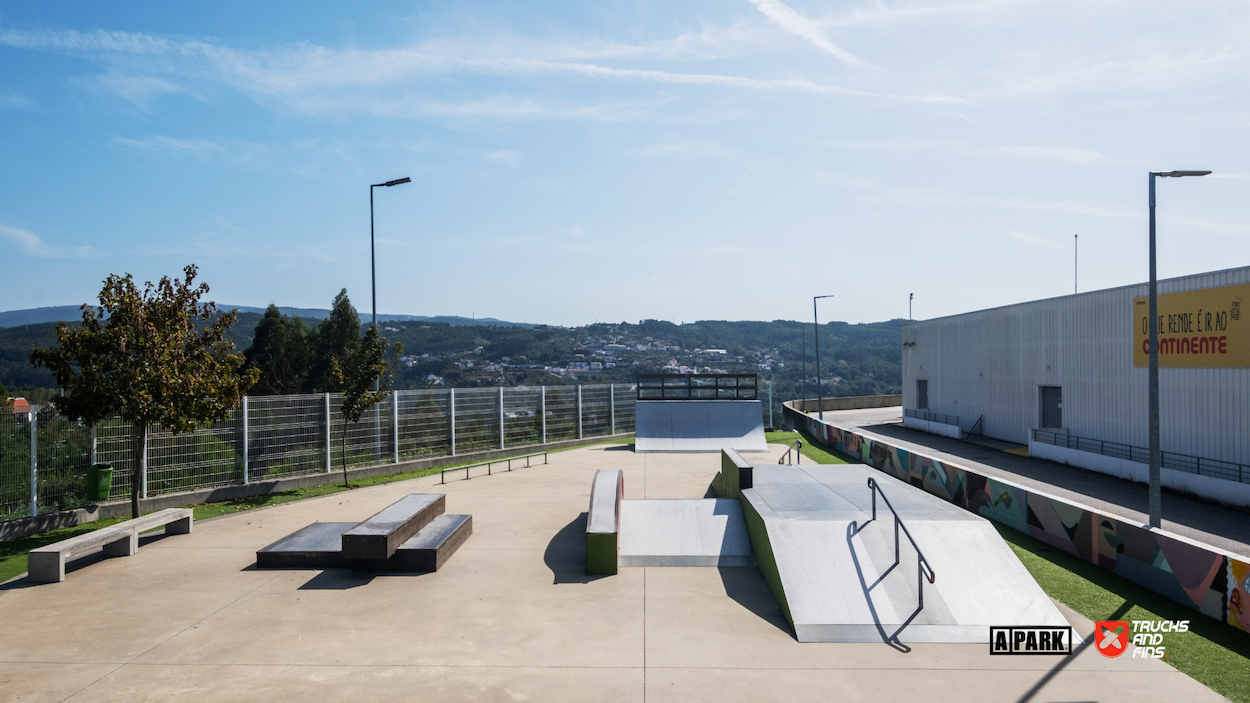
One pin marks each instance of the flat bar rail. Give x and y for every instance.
(931, 417)
(923, 569)
(798, 454)
(442, 477)
(687, 386)
(1214, 468)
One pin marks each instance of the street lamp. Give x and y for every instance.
(1155, 508)
(373, 274)
(373, 264)
(820, 400)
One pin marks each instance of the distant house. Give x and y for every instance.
(21, 408)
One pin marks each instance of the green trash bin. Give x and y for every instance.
(99, 482)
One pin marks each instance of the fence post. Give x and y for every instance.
(93, 447)
(612, 406)
(501, 417)
(328, 440)
(34, 462)
(395, 427)
(579, 411)
(453, 422)
(143, 463)
(770, 405)
(542, 409)
(245, 461)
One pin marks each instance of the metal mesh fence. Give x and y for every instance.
(275, 436)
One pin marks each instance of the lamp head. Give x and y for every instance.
(405, 179)
(1182, 174)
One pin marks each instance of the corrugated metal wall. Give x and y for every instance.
(992, 362)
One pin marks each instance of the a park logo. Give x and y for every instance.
(1031, 640)
(1111, 637)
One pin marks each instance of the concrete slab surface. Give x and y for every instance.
(699, 426)
(512, 617)
(672, 532)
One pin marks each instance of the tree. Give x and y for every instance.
(280, 352)
(366, 368)
(139, 355)
(335, 341)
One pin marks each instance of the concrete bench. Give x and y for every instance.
(603, 523)
(46, 564)
(379, 536)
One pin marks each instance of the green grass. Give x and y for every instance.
(1211, 652)
(13, 552)
(812, 449)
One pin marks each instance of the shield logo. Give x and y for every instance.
(1111, 637)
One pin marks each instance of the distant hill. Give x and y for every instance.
(71, 313)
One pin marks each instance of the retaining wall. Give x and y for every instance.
(1209, 580)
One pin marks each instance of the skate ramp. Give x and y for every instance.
(832, 568)
(699, 426)
(707, 532)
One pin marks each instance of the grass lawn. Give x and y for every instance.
(812, 449)
(1213, 653)
(13, 552)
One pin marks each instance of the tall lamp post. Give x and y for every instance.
(820, 399)
(1155, 508)
(373, 275)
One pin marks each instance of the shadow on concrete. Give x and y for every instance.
(746, 587)
(566, 554)
(336, 580)
(890, 639)
(619, 448)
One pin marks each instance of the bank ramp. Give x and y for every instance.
(834, 570)
(699, 426)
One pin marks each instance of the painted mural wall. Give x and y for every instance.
(1212, 582)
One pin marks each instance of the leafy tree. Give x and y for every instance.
(366, 369)
(335, 341)
(280, 351)
(140, 356)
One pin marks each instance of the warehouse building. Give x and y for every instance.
(1069, 378)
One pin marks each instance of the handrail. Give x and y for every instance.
(796, 448)
(1215, 468)
(940, 418)
(923, 569)
(978, 429)
(442, 474)
(699, 386)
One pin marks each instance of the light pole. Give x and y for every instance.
(820, 400)
(909, 297)
(1155, 507)
(373, 275)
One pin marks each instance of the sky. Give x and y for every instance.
(574, 162)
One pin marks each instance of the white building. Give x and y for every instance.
(1068, 376)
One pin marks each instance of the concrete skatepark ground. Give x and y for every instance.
(511, 617)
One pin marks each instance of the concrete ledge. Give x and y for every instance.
(603, 523)
(23, 527)
(855, 402)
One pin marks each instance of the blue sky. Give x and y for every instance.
(574, 162)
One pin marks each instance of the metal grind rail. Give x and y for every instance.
(442, 477)
(923, 569)
(798, 454)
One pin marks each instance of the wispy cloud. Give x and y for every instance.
(194, 147)
(15, 102)
(881, 13)
(511, 159)
(842, 180)
(1073, 156)
(791, 21)
(319, 80)
(685, 148)
(31, 244)
(1071, 207)
(1034, 239)
(893, 145)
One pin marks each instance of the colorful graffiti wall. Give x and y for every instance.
(1211, 582)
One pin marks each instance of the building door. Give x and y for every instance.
(1052, 407)
(922, 395)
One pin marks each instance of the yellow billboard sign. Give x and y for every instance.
(1207, 327)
